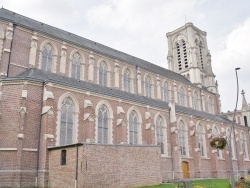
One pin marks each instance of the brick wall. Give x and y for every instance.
(106, 166)
(19, 61)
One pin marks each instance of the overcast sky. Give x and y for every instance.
(139, 27)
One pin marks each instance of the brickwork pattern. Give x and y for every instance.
(106, 166)
(19, 134)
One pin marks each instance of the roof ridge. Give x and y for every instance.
(92, 46)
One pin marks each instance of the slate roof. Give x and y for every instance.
(201, 114)
(41, 75)
(65, 36)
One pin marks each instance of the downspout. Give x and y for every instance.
(76, 178)
(39, 132)
(171, 147)
(8, 67)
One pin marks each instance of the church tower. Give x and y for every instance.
(189, 56)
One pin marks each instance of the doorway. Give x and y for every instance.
(185, 169)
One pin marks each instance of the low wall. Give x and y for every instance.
(105, 166)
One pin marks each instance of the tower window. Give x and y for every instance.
(185, 54)
(201, 57)
(245, 121)
(182, 59)
(179, 56)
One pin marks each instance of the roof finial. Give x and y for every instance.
(243, 92)
(244, 101)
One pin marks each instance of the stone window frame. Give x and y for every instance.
(82, 64)
(182, 96)
(200, 51)
(201, 139)
(139, 138)
(243, 145)
(183, 139)
(103, 125)
(215, 133)
(54, 55)
(131, 77)
(180, 45)
(110, 120)
(210, 105)
(164, 83)
(164, 133)
(232, 142)
(148, 87)
(196, 101)
(108, 71)
(76, 116)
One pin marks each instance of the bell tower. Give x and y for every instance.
(189, 56)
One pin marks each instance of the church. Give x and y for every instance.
(76, 113)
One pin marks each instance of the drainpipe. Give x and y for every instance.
(171, 148)
(39, 132)
(76, 178)
(8, 67)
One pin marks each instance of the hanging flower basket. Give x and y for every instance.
(218, 143)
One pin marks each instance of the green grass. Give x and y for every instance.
(207, 183)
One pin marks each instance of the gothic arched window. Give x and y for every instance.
(148, 87)
(243, 145)
(215, 133)
(196, 101)
(182, 138)
(126, 80)
(47, 58)
(210, 105)
(182, 97)
(201, 139)
(67, 121)
(159, 131)
(103, 74)
(232, 141)
(103, 125)
(133, 128)
(76, 66)
(165, 92)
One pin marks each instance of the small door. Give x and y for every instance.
(185, 169)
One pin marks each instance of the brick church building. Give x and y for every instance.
(76, 113)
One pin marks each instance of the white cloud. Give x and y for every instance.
(139, 27)
(235, 54)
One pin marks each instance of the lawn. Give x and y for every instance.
(207, 183)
